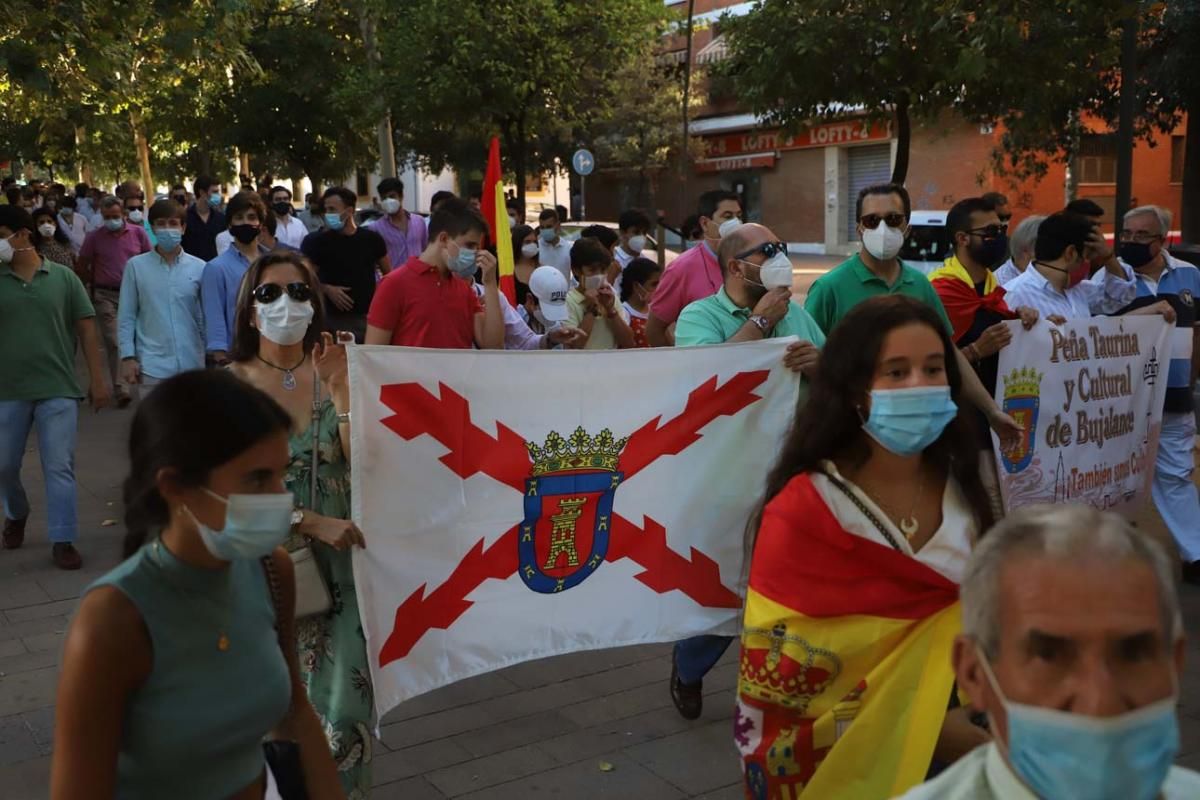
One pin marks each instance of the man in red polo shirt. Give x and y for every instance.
(429, 302)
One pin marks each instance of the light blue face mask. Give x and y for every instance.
(548, 235)
(334, 222)
(464, 265)
(255, 524)
(214, 199)
(114, 225)
(1060, 754)
(168, 238)
(906, 421)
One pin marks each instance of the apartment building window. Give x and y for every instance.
(1097, 159)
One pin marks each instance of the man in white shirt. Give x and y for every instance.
(1020, 245)
(1072, 648)
(73, 222)
(1056, 282)
(288, 229)
(553, 249)
(632, 227)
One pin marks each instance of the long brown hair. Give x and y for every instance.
(245, 335)
(828, 425)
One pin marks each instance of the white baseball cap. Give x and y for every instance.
(549, 286)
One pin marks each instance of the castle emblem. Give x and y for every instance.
(1022, 397)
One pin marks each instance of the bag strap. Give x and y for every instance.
(315, 425)
(268, 564)
(868, 513)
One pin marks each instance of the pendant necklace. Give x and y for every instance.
(222, 635)
(909, 525)
(289, 380)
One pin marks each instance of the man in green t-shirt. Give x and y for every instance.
(44, 312)
(883, 211)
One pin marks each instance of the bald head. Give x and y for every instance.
(740, 239)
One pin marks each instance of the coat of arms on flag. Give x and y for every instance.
(521, 505)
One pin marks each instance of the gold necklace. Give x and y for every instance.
(222, 636)
(908, 525)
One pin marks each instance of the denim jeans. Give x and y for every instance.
(694, 657)
(55, 420)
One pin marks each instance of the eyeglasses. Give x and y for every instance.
(892, 220)
(1140, 237)
(270, 292)
(768, 249)
(989, 231)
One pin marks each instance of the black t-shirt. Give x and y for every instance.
(988, 368)
(348, 261)
(200, 237)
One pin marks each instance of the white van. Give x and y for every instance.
(928, 244)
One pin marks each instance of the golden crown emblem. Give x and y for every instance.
(579, 453)
(789, 671)
(1024, 382)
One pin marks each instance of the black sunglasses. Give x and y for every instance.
(768, 249)
(893, 220)
(989, 231)
(270, 292)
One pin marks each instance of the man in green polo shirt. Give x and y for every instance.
(44, 311)
(883, 211)
(753, 303)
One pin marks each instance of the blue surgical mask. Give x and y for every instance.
(168, 238)
(114, 225)
(1061, 754)
(548, 235)
(334, 222)
(906, 421)
(464, 264)
(214, 199)
(255, 524)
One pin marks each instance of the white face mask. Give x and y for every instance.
(390, 205)
(593, 282)
(6, 251)
(47, 229)
(883, 242)
(512, 222)
(728, 227)
(529, 250)
(284, 321)
(135, 217)
(636, 244)
(776, 272)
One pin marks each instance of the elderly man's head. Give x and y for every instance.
(1070, 609)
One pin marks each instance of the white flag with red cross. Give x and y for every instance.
(523, 505)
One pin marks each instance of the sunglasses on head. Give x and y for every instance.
(768, 249)
(989, 231)
(892, 220)
(270, 292)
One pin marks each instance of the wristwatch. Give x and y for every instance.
(297, 517)
(762, 323)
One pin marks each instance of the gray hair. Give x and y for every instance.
(111, 200)
(1163, 216)
(1064, 532)
(1025, 234)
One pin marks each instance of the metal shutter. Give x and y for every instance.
(865, 166)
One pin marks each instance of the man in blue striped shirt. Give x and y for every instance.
(160, 319)
(1161, 277)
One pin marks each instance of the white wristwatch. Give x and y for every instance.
(297, 517)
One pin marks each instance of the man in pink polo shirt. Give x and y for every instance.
(102, 264)
(696, 274)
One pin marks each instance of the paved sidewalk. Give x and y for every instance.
(583, 726)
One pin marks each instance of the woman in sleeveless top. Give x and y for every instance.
(856, 556)
(178, 664)
(280, 348)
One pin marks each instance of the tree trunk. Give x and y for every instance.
(243, 167)
(85, 169)
(138, 124)
(1189, 217)
(519, 157)
(903, 140)
(684, 158)
(1128, 108)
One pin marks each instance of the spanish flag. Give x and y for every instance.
(957, 292)
(496, 214)
(845, 673)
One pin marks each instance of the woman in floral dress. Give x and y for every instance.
(280, 347)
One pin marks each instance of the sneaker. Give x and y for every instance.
(688, 700)
(14, 533)
(65, 556)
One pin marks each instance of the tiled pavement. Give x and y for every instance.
(589, 725)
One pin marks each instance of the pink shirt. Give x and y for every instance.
(109, 251)
(693, 276)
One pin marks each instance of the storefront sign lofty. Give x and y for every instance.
(830, 133)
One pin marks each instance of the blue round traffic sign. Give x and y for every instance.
(583, 162)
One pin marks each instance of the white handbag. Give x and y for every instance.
(312, 593)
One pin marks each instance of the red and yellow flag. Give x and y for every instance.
(845, 673)
(957, 292)
(496, 214)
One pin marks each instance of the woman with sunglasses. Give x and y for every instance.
(182, 659)
(280, 347)
(855, 559)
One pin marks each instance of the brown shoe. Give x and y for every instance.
(688, 700)
(66, 556)
(14, 533)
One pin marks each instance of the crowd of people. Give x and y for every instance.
(230, 318)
